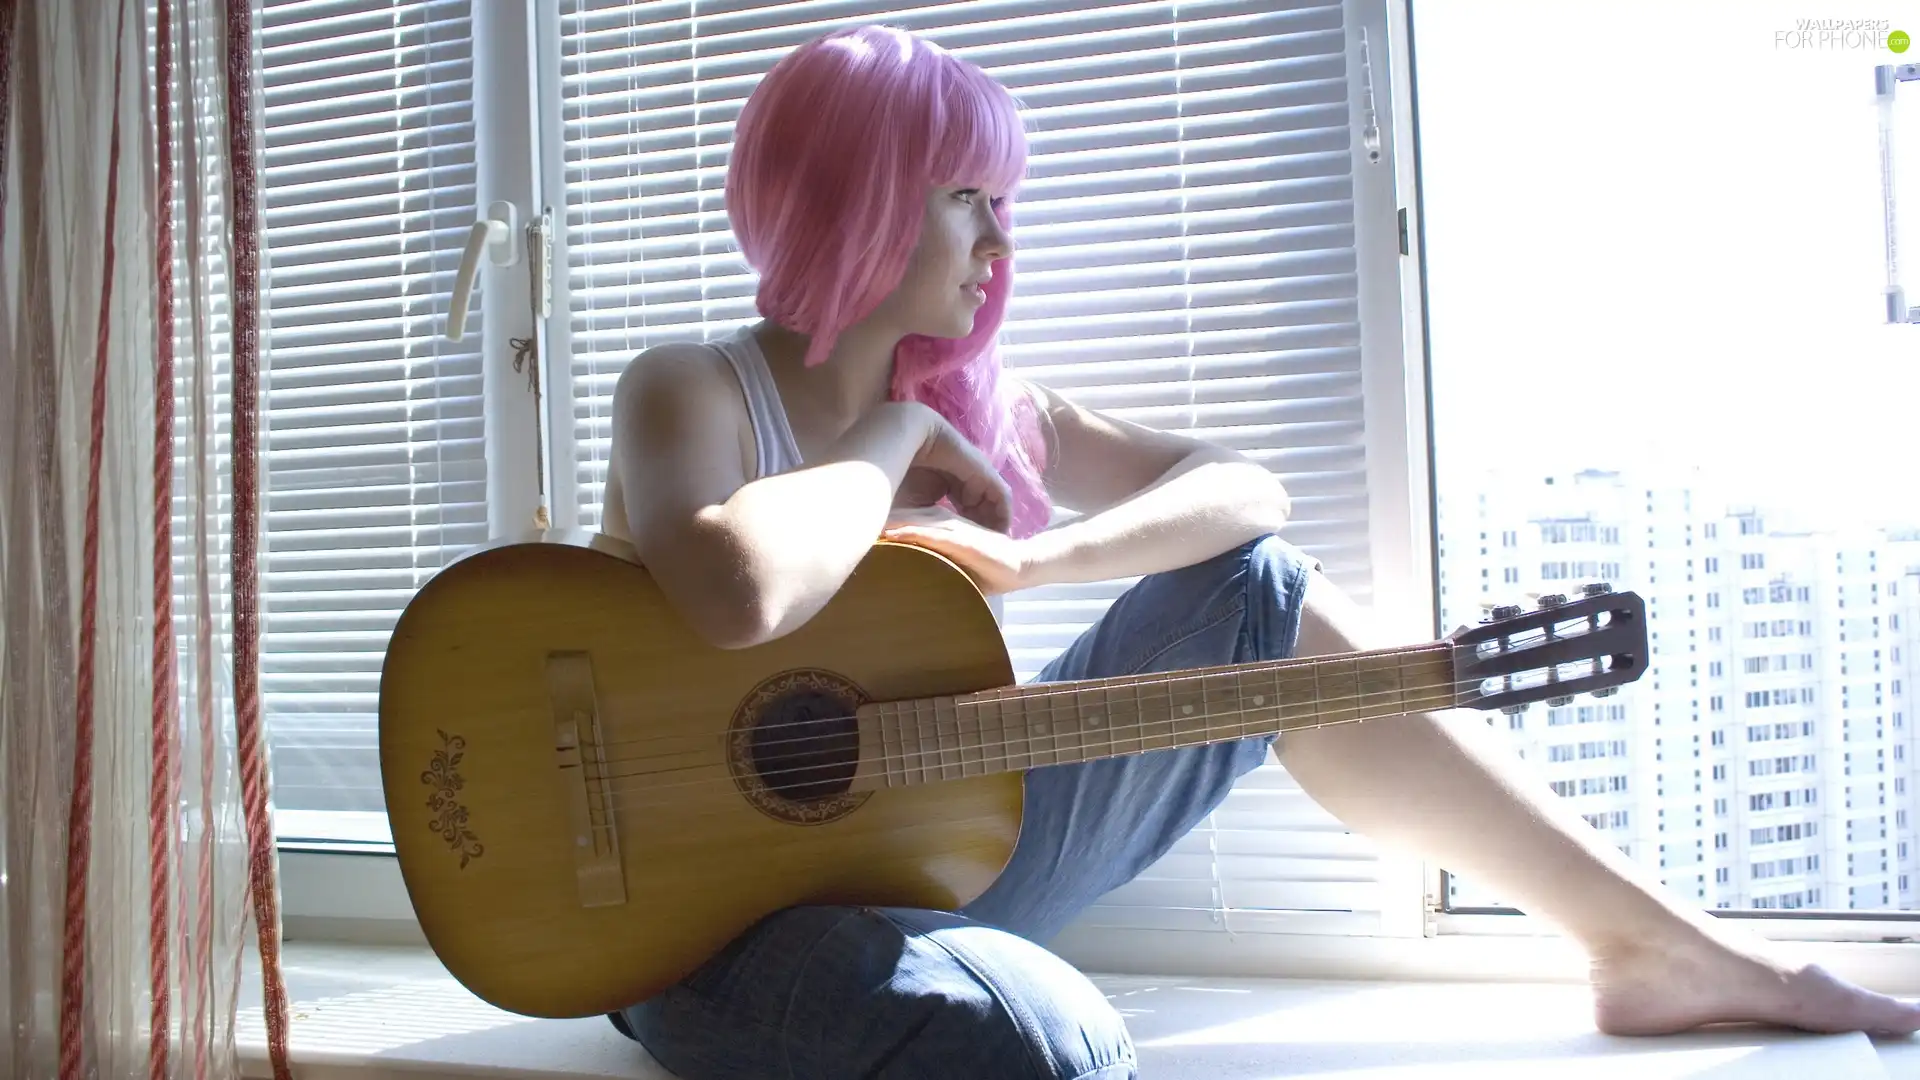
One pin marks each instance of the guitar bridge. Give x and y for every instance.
(581, 765)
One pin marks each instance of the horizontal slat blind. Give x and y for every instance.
(374, 461)
(1186, 261)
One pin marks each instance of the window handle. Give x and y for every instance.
(494, 235)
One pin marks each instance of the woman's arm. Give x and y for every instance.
(745, 562)
(1150, 500)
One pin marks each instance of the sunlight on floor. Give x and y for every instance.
(370, 1022)
(1359, 1031)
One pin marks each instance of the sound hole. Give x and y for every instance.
(806, 745)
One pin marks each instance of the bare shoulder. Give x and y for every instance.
(678, 426)
(678, 373)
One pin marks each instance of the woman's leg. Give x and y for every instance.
(819, 993)
(1448, 790)
(1090, 827)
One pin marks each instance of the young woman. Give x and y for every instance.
(870, 188)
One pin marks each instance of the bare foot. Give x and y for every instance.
(1658, 991)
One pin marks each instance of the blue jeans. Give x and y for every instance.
(821, 993)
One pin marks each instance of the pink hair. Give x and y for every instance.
(833, 156)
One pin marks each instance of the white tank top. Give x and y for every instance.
(775, 449)
(775, 452)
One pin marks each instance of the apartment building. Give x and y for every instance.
(1766, 759)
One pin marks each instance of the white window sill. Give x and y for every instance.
(365, 1011)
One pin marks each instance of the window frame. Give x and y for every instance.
(353, 892)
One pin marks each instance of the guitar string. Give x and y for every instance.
(1025, 697)
(916, 728)
(906, 759)
(720, 795)
(1038, 690)
(920, 710)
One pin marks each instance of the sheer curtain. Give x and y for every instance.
(135, 852)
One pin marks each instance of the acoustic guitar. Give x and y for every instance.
(588, 801)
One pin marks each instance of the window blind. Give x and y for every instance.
(1187, 260)
(375, 472)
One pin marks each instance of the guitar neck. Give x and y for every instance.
(1022, 727)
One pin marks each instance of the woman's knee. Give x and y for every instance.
(1279, 579)
(889, 993)
(1003, 1004)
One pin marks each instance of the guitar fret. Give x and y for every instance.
(1072, 726)
(905, 744)
(960, 748)
(929, 748)
(1051, 729)
(1379, 687)
(989, 748)
(1093, 722)
(1223, 704)
(1173, 739)
(943, 748)
(960, 731)
(1000, 717)
(1110, 719)
(1187, 719)
(981, 765)
(1299, 692)
(1024, 717)
(885, 713)
(1140, 716)
(1002, 740)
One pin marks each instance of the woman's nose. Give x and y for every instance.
(996, 242)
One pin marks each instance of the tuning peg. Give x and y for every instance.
(1595, 588)
(1506, 611)
(1556, 702)
(1606, 691)
(1552, 600)
(1513, 710)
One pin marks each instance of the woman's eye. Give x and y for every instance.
(969, 195)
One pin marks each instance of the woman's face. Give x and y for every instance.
(960, 239)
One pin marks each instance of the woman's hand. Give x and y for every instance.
(996, 562)
(951, 468)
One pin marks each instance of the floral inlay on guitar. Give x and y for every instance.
(449, 816)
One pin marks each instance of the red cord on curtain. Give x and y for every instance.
(244, 180)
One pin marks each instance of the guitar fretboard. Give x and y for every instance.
(1024, 727)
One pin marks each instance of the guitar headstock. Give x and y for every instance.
(1589, 644)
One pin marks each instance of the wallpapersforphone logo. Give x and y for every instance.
(1829, 34)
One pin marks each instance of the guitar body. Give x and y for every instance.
(581, 806)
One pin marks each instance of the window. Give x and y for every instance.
(375, 462)
(1588, 147)
(1265, 347)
